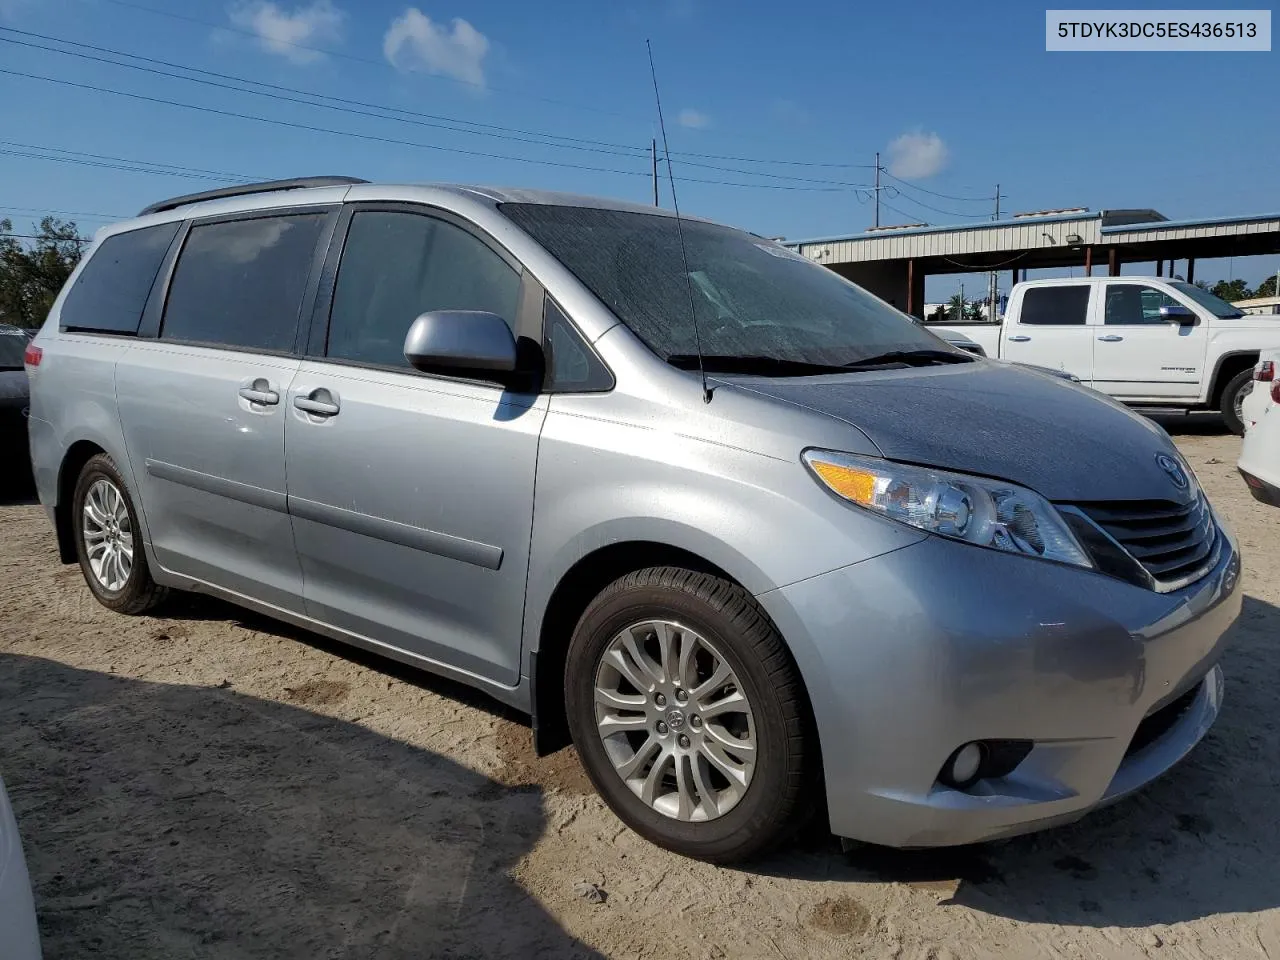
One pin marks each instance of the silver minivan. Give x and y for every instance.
(751, 539)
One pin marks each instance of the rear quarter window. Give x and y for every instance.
(112, 289)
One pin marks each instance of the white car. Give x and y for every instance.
(1260, 453)
(19, 938)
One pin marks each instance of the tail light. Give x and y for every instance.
(1275, 391)
(32, 355)
(1265, 372)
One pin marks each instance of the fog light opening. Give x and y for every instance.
(983, 760)
(964, 768)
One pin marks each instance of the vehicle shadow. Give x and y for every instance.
(1192, 425)
(1198, 842)
(163, 820)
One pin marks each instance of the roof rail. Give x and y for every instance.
(267, 186)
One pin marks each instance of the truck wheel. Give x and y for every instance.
(689, 715)
(1233, 394)
(108, 542)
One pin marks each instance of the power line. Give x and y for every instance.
(41, 212)
(149, 163)
(32, 236)
(109, 166)
(392, 140)
(532, 137)
(356, 59)
(369, 61)
(512, 133)
(945, 196)
(949, 213)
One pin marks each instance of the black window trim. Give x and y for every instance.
(161, 273)
(152, 326)
(549, 384)
(527, 324)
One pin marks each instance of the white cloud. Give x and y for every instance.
(694, 119)
(414, 42)
(916, 155)
(289, 33)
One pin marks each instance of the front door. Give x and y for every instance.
(412, 495)
(1140, 354)
(1052, 329)
(203, 405)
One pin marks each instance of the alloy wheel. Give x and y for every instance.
(108, 535)
(675, 721)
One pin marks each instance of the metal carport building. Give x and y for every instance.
(892, 262)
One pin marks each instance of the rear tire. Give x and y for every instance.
(728, 787)
(1233, 394)
(109, 540)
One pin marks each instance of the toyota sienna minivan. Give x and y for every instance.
(750, 538)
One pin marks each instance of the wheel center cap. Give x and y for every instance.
(675, 719)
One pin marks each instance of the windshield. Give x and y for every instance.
(12, 346)
(753, 297)
(1215, 305)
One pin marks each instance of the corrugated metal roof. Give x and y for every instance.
(1027, 234)
(1182, 224)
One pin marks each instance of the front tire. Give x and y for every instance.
(689, 715)
(109, 540)
(1233, 394)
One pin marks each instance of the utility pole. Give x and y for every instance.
(960, 309)
(877, 189)
(993, 290)
(653, 149)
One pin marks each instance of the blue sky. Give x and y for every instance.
(955, 97)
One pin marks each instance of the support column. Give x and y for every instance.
(1160, 268)
(911, 286)
(1191, 269)
(1088, 261)
(1113, 262)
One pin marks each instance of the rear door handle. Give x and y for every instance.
(319, 402)
(1019, 339)
(1111, 338)
(260, 391)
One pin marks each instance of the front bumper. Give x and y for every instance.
(914, 653)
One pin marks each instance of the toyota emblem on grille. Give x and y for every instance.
(1174, 470)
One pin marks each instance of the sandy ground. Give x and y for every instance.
(207, 783)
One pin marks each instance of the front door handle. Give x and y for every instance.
(319, 402)
(1111, 338)
(260, 391)
(1019, 339)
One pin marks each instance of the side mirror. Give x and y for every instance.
(461, 342)
(1178, 313)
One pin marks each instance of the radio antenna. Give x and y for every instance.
(684, 253)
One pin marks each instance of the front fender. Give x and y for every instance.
(761, 519)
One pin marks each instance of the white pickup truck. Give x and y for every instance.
(1150, 342)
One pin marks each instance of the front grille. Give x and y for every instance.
(1174, 543)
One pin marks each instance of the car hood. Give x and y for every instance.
(1065, 441)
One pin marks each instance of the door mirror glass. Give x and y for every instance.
(461, 341)
(1178, 313)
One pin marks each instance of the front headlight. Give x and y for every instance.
(989, 513)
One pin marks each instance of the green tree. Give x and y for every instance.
(1231, 290)
(32, 271)
(1267, 288)
(954, 307)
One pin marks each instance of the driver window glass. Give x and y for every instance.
(396, 266)
(1129, 304)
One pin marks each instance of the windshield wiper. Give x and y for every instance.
(909, 358)
(751, 363)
